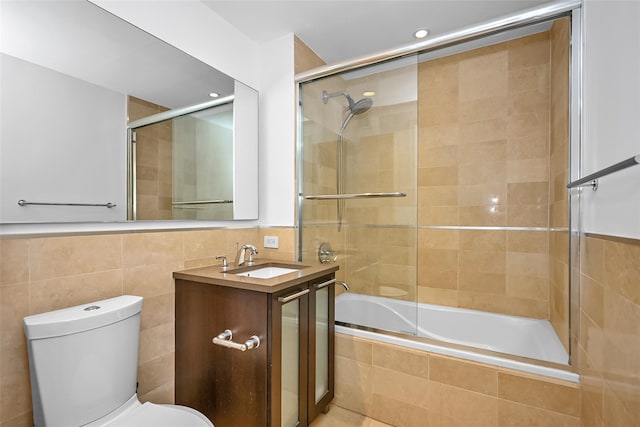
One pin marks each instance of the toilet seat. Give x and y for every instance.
(154, 415)
(135, 414)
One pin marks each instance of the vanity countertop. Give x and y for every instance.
(217, 275)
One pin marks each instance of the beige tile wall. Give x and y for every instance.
(609, 335)
(304, 58)
(154, 162)
(48, 273)
(484, 161)
(405, 387)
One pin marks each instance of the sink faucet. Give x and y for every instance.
(241, 256)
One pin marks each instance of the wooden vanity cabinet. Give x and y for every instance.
(274, 384)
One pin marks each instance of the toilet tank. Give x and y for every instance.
(83, 360)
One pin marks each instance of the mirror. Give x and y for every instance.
(71, 74)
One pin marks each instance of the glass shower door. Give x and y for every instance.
(358, 184)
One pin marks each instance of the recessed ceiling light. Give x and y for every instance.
(214, 94)
(368, 93)
(421, 33)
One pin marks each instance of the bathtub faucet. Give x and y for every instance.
(344, 285)
(242, 254)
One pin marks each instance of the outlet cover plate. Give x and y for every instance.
(271, 242)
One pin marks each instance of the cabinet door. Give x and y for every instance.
(289, 357)
(321, 344)
(226, 385)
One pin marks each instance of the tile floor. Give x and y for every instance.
(339, 417)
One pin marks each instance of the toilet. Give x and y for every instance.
(83, 362)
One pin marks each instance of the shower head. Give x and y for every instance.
(358, 107)
(362, 106)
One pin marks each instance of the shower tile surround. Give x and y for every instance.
(492, 151)
(485, 160)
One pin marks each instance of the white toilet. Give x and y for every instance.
(83, 362)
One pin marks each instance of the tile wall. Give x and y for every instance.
(609, 334)
(408, 388)
(48, 273)
(484, 161)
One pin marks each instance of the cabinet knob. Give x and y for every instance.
(225, 338)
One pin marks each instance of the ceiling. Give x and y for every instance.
(81, 40)
(345, 29)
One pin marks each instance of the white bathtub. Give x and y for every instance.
(511, 335)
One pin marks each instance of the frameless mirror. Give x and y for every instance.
(73, 79)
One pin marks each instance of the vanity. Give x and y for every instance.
(255, 344)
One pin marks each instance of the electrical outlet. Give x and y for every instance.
(271, 242)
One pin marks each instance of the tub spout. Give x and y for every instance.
(344, 285)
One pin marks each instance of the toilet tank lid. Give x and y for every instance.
(81, 317)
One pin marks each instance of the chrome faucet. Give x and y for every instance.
(241, 256)
(344, 285)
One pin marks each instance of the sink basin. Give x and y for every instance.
(267, 272)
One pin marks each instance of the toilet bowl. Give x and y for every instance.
(83, 362)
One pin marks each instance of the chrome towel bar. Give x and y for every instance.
(103, 205)
(202, 202)
(354, 196)
(592, 180)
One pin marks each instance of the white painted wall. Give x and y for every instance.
(277, 133)
(195, 29)
(612, 115)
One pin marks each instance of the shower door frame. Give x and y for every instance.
(535, 15)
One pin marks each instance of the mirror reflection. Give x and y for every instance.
(72, 77)
(184, 165)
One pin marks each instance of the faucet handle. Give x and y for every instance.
(225, 264)
(252, 251)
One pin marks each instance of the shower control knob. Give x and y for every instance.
(325, 254)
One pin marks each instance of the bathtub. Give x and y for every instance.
(429, 327)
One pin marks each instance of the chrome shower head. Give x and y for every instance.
(362, 106)
(358, 107)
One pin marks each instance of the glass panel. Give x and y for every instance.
(322, 343)
(488, 216)
(203, 164)
(359, 135)
(184, 166)
(290, 363)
